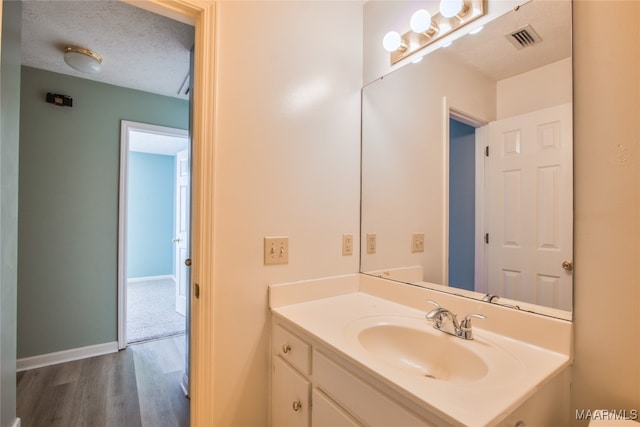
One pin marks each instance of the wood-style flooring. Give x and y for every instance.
(136, 387)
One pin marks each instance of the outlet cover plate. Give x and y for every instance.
(347, 244)
(371, 243)
(417, 242)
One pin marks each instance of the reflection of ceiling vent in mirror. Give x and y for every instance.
(523, 37)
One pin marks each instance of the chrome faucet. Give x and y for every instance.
(447, 321)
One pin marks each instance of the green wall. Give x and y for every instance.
(9, 126)
(68, 209)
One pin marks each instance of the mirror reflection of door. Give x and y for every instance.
(529, 217)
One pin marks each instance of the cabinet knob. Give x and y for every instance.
(297, 405)
(286, 348)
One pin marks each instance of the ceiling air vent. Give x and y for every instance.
(523, 37)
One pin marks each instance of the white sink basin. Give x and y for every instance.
(413, 347)
(422, 353)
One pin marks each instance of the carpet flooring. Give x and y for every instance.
(151, 311)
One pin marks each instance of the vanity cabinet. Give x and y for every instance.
(315, 385)
(311, 387)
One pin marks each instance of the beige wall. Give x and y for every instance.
(287, 164)
(288, 146)
(534, 90)
(607, 244)
(403, 177)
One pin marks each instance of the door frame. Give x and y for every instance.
(126, 127)
(202, 15)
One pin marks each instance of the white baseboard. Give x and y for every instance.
(151, 278)
(33, 362)
(16, 423)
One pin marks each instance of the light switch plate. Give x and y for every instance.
(417, 242)
(347, 244)
(276, 250)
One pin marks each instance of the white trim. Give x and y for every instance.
(33, 362)
(126, 127)
(151, 278)
(202, 14)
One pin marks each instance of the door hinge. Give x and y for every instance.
(486, 151)
(486, 238)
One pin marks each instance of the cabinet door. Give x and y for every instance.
(326, 413)
(290, 402)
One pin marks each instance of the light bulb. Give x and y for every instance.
(451, 8)
(392, 41)
(420, 21)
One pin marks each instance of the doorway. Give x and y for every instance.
(154, 233)
(464, 192)
(462, 204)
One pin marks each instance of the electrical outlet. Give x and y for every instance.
(347, 244)
(417, 242)
(276, 250)
(371, 243)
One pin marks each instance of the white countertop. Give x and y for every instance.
(517, 369)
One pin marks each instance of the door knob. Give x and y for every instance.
(187, 262)
(567, 265)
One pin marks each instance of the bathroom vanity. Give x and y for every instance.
(357, 350)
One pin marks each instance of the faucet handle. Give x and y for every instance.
(465, 325)
(435, 316)
(434, 303)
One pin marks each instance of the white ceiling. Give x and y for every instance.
(491, 52)
(140, 50)
(155, 143)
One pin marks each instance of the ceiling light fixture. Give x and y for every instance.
(83, 60)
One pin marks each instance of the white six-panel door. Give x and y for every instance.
(182, 229)
(529, 207)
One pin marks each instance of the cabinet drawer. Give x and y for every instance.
(290, 405)
(363, 400)
(292, 349)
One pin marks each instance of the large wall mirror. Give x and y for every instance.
(467, 165)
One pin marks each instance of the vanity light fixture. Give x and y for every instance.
(451, 8)
(83, 60)
(476, 30)
(392, 42)
(427, 27)
(422, 22)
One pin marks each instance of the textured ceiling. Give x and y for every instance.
(140, 50)
(491, 52)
